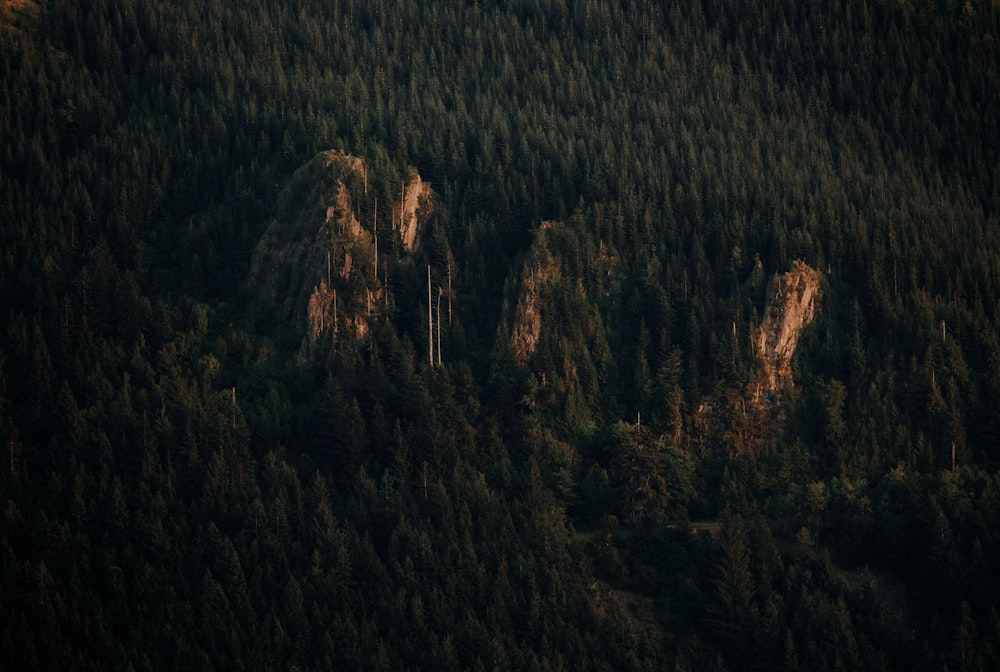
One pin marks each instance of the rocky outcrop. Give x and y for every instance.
(791, 307)
(539, 268)
(415, 194)
(742, 421)
(290, 259)
(314, 267)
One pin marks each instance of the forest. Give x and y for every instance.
(500, 334)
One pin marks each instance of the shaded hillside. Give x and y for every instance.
(268, 401)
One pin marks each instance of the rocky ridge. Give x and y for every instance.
(746, 420)
(415, 194)
(791, 306)
(314, 267)
(538, 269)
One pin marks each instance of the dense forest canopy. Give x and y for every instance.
(571, 453)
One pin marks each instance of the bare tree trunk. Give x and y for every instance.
(430, 318)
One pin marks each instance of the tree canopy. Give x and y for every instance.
(622, 181)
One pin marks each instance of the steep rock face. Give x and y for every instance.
(314, 267)
(562, 262)
(414, 196)
(744, 421)
(291, 257)
(539, 268)
(791, 307)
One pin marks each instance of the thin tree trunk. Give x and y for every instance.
(430, 318)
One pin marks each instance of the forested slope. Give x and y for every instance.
(592, 474)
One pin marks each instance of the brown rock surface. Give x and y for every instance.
(791, 307)
(415, 194)
(313, 267)
(538, 269)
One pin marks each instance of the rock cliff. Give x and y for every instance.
(414, 196)
(791, 307)
(538, 269)
(742, 421)
(314, 267)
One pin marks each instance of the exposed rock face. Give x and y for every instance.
(791, 307)
(315, 264)
(744, 421)
(415, 194)
(538, 269)
(291, 257)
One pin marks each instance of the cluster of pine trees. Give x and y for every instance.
(179, 492)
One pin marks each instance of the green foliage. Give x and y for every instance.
(178, 493)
